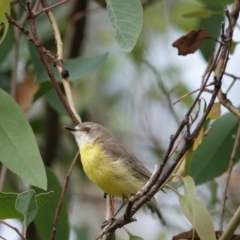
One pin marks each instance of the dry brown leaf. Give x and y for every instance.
(189, 236)
(190, 42)
(25, 92)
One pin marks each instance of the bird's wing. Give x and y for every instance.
(116, 150)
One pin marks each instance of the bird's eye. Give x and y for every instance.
(87, 129)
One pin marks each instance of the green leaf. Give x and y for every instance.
(233, 46)
(212, 25)
(6, 45)
(127, 17)
(179, 9)
(27, 205)
(45, 217)
(18, 150)
(42, 198)
(38, 66)
(4, 8)
(78, 67)
(215, 112)
(203, 223)
(212, 157)
(189, 192)
(44, 87)
(55, 102)
(195, 211)
(203, 13)
(7, 203)
(133, 237)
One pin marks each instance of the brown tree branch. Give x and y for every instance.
(232, 18)
(220, 62)
(42, 52)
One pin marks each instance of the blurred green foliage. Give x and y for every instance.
(130, 93)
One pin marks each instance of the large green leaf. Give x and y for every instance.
(7, 203)
(18, 147)
(212, 157)
(127, 17)
(8, 200)
(4, 8)
(195, 211)
(45, 217)
(78, 67)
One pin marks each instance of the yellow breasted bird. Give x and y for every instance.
(109, 164)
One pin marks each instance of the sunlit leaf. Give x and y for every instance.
(198, 140)
(233, 46)
(127, 17)
(203, 13)
(215, 111)
(18, 147)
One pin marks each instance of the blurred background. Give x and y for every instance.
(132, 94)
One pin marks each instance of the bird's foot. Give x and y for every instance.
(128, 218)
(108, 222)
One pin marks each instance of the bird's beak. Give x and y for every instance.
(71, 129)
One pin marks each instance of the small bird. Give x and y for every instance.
(109, 164)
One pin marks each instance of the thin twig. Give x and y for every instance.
(189, 93)
(42, 52)
(46, 9)
(36, 6)
(232, 76)
(60, 202)
(109, 216)
(14, 229)
(232, 226)
(3, 238)
(232, 19)
(161, 85)
(155, 184)
(230, 167)
(60, 67)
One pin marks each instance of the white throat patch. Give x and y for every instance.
(82, 138)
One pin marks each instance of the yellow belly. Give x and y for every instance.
(113, 177)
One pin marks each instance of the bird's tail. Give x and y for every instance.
(152, 205)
